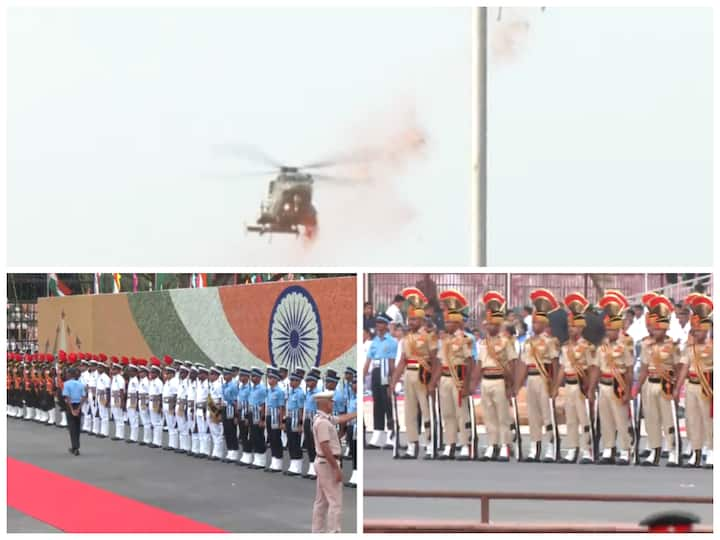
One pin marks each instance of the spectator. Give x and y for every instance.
(368, 317)
(527, 319)
(393, 312)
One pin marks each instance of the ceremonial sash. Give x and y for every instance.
(707, 390)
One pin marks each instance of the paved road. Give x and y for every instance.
(381, 471)
(18, 522)
(224, 495)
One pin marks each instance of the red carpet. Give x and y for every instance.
(75, 507)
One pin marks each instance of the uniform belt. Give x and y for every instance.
(493, 376)
(571, 381)
(533, 372)
(325, 460)
(694, 381)
(412, 362)
(654, 379)
(606, 382)
(413, 367)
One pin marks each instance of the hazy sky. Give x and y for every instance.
(600, 128)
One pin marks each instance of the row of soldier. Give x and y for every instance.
(603, 400)
(227, 414)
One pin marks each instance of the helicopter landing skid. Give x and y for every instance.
(272, 229)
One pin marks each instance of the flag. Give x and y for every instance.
(116, 283)
(200, 280)
(56, 287)
(135, 283)
(96, 283)
(160, 281)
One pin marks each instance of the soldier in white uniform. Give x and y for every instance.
(155, 393)
(85, 377)
(201, 399)
(117, 397)
(181, 409)
(284, 385)
(169, 393)
(131, 404)
(215, 421)
(103, 396)
(144, 403)
(92, 420)
(190, 421)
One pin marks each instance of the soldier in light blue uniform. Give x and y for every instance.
(243, 415)
(339, 399)
(258, 395)
(352, 431)
(294, 424)
(230, 391)
(274, 414)
(350, 374)
(310, 411)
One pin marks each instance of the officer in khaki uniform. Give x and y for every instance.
(615, 360)
(658, 356)
(697, 368)
(540, 360)
(452, 378)
(327, 509)
(494, 370)
(578, 367)
(417, 361)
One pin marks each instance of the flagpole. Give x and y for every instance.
(478, 190)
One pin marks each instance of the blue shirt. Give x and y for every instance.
(474, 348)
(383, 347)
(339, 401)
(230, 391)
(74, 389)
(243, 393)
(257, 395)
(310, 404)
(352, 403)
(296, 400)
(275, 397)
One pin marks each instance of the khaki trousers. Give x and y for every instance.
(538, 407)
(496, 411)
(415, 395)
(327, 510)
(697, 417)
(658, 417)
(576, 417)
(613, 418)
(456, 418)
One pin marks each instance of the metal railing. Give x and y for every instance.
(486, 496)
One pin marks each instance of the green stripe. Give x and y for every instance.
(164, 332)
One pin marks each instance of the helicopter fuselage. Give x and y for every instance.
(288, 203)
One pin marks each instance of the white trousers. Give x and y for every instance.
(172, 428)
(119, 419)
(104, 420)
(134, 422)
(157, 423)
(202, 427)
(216, 432)
(147, 425)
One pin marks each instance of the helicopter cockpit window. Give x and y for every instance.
(271, 186)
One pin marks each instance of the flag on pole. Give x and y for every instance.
(56, 287)
(200, 280)
(96, 283)
(116, 283)
(135, 283)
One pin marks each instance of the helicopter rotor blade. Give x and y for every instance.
(333, 179)
(242, 175)
(359, 156)
(249, 152)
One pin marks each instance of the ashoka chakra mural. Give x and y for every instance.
(295, 335)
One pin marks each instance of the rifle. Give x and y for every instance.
(396, 425)
(518, 435)
(473, 427)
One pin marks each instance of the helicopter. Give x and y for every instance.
(288, 206)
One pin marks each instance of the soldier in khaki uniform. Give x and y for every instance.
(578, 367)
(659, 354)
(539, 361)
(452, 378)
(697, 368)
(417, 360)
(615, 360)
(494, 369)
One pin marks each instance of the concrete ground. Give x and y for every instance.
(383, 472)
(224, 495)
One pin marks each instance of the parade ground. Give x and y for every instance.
(384, 472)
(133, 484)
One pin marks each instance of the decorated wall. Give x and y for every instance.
(290, 323)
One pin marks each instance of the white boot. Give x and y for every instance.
(533, 453)
(195, 444)
(134, 433)
(232, 455)
(606, 456)
(708, 459)
(36, 414)
(504, 454)
(258, 461)
(105, 426)
(464, 453)
(21, 412)
(447, 452)
(87, 423)
(96, 425)
(651, 459)
(147, 434)
(586, 456)
(428, 451)
(295, 467)
(51, 417)
(489, 453)
(411, 451)
(276, 464)
(376, 439)
(623, 458)
(183, 441)
(311, 471)
(29, 413)
(549, 453)
(157, 435)
(353, 479)
(63, 419)
(672, 459)
(173, 439)
(389, 440)
(247, 458)
(9, 410)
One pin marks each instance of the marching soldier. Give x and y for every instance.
(452, 377)
(494, 368)
(615, 361)
(62, 376)
(49, 389)
(417, 362)
(697, 368)
(190, 423)
(181, 409)
(117, 395)
(381, 357)
(294, 425)
(257, 417)
(85, 378)
(309, 412)
(169, 398)
(28, 388)
(659, 354)
(103, 396)
(215, 410)
(202, 388)
(578, 370)
(244, 417)
(352, 432)
(155, 394)
(540, 361)
(274, 413)
(131, 404)
(230, 391)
